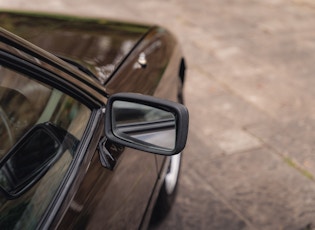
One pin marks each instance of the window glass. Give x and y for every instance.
(40, 129)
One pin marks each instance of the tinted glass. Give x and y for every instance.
(40, 129)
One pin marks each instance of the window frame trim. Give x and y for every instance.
(80, 162)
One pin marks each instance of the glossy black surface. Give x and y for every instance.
(97, 44)
(125, 58)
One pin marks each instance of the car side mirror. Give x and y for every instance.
(146, 123)
(31, 157)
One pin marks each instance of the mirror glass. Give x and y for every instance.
(143, 124)
(27, 161)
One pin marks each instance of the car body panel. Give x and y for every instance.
(92, 195)
(98, 44)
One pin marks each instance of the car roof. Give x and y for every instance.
(95, 46)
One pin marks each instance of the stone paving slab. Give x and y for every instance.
(293, 141)
(199, 205)
(268, 193)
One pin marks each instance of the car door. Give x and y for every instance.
(93, 197)
(113, 199)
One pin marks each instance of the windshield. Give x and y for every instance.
(40, 130)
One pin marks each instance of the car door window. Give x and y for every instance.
(40, 130)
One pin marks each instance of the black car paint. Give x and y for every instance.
(97, 44)
(74, 205)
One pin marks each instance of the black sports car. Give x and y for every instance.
(92, 124)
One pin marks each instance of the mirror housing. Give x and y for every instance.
(146, 123)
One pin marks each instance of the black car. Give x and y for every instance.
(92, 124)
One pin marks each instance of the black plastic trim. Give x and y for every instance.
(179, 110)
(16, 63)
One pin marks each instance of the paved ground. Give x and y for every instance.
(250, 159)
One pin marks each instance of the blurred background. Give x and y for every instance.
(250, 160)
